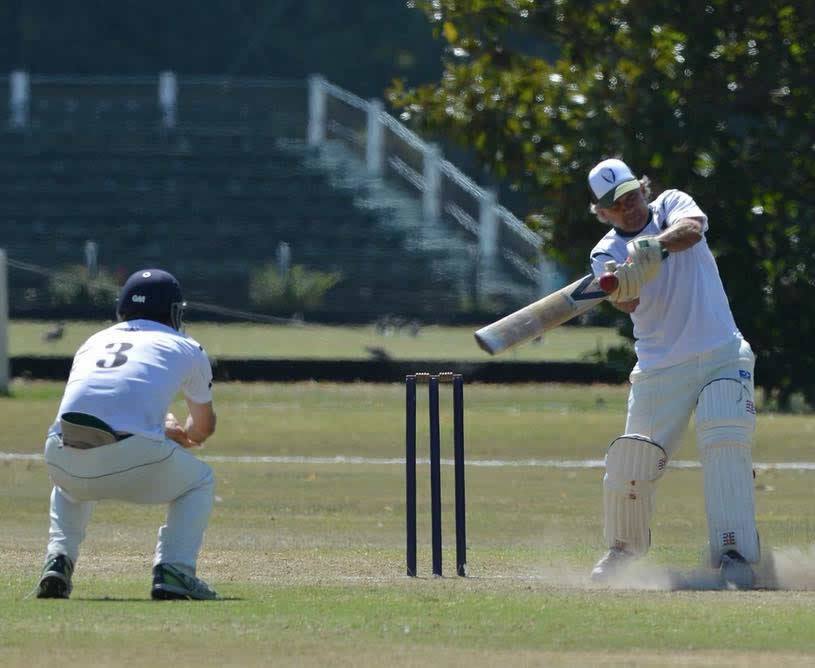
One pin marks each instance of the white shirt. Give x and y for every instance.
(684, 311)
(129, 374)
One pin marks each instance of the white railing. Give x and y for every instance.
(390, 148)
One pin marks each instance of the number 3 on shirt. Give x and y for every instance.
(114, 357)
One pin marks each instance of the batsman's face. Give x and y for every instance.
(629, 213)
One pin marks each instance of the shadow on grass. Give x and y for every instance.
(147, 599)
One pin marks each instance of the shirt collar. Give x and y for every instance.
(629, 235)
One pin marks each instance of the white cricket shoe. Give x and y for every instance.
(611, 565)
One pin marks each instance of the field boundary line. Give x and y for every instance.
(477, 463)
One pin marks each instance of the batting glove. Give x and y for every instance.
(646, 252)
(630, 277)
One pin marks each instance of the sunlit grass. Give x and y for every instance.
(312, 341)
(311, 556)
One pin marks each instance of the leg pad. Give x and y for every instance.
(725, 421)
(633, 464)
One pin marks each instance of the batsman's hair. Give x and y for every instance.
(645, 187)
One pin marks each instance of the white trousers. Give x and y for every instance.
(718, 386)
(662, 401)
(137, 470)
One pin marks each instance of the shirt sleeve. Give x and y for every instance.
(678, 205)
(198, 385)
(599, 258)
(610, 247)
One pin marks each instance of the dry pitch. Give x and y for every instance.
(309, 551)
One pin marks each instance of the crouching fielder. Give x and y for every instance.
(114, 439)
(691, 360)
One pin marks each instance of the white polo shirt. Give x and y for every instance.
(129, 374)
(684, 311)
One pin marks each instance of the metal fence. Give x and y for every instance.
(392, 150)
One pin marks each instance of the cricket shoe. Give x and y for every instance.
(613, 562)
(55, 581)
(171, 584)
(735, 572)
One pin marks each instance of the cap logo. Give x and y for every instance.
(146, 274)
(608, 175)
(138, 299)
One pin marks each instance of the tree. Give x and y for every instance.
(717, 101)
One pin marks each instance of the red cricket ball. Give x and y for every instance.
(608, 283)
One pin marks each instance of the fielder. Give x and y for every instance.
(691, 359)
(114, 439)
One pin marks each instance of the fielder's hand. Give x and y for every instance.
(175, 432)
(647, 253)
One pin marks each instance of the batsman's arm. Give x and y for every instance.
(683, 234)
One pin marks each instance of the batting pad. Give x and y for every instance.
(633, 464)
(725, 412)
(725, 421)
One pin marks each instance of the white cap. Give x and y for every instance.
(609, 180)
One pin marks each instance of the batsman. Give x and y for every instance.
(692, 361)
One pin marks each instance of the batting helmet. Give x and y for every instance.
(152, 294)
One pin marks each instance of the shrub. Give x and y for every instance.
(300, 289)
(73, 286)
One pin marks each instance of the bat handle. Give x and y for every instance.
(608, 281)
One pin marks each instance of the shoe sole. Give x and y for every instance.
(164, 593)
(53, 586)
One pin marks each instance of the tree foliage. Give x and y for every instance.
(715, 98)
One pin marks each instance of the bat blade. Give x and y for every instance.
(538, 317)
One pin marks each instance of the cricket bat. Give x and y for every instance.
(547, 313)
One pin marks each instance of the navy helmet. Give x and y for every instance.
(152, 294)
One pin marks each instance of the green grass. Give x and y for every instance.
(327, 342)
(547, 420)
(310, 556)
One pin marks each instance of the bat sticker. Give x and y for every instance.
(582, 292)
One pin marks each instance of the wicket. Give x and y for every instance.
(433, 381)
